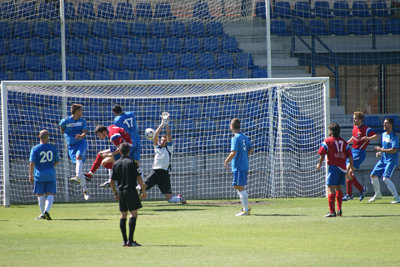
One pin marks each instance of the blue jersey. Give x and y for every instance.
(44, 156)
(73, 127)
(241, 144)
(127, 121)
(390, 141)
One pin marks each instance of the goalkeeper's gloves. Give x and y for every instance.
(165, 118)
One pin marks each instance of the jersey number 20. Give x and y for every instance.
(46, 156)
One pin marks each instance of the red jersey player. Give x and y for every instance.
(360, 139)
(107, 157)
(338, 151)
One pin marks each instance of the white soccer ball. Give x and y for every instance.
(149, 133)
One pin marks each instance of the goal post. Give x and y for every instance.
(285, 119)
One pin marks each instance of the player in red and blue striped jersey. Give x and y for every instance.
(361, 137)
(338, 151)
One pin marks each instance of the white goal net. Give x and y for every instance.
(284, 119)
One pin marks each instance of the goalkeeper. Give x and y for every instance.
(162, 163)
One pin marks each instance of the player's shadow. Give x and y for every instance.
(374, 216)
(279, 215)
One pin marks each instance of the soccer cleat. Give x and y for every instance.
(86, 194)
(181, 199)
(330, 214)
(339, 213)
(75, 180)
(395, 200)
(243, 213)
(347, 197)
(88, 177)
(125, 244)
(41, 217)
(47, 215)
(362, 193)
(105, 184)
(374, 198)
(133, 244)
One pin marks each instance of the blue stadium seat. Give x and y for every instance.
(158, 29)
(282, 9)
(134, 45)
(91, 62)
(379, 8)
(41, 29)
(180, 74)
(360, 9)
(143, 10)
(27, 10)
(278, 27)
(239, 73)
(299, 28)
(48, 11)
(302, 9)
(225, 61)
(76, 45)
(130, 62)
(201, 74)
(37, 46)
(95, 45)
(7, 10)
(192, 110)
(41, 76)
(341, 9)
(80, 29)
(322, 9)
(160, 75)
(356, 27)
(229, 44)
(393, 26)
(17, 46)
(122, 75)
(201, 10)
(173, 45)
(375, 26)
(154, 45)
(124, 11)
(372, 121)
(317, 27)
(82, 75)
(210, 44)
(105, 11)
(260, 10)
(33, 63)
(169, 61)
(101, 75)
(163, 10)
(244, 60)
(120, 29)
(192, 45)
(259, 73)
(111, 62)
(58, 76)
(20, 76)
(52, 62)
(56, 29)
(336, 26)
(220, 74)
(86, 10)
(69, 11)
(141, 75)
(74, 63)
(116, 46)
(5, 30)
(215, 29)
(150, 62)
(211, 110)
(3, 50)
(188, 61)
(177, 29)
(22, 29)
(206, 61)
(196, 29)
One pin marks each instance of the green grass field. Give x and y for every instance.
(280, 232)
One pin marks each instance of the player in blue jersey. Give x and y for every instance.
(74, 129)
(241, 149)
(127, 121)
(388, 163)
(42, 172)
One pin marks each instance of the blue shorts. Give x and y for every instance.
(358, 157)
(78, 149)
(335, 176)
(384, 169)
(134, 153)
(239, 178)
(45, 187)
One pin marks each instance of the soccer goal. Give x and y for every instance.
(285, 119)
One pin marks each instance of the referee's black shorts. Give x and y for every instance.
(161, 178)
(129, 200)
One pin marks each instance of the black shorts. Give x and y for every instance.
(129, 200)
(160, 178)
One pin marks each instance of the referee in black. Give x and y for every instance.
(127, 174)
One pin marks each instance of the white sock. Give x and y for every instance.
(376, 185)
(110, 172)
(244, 199)
(391, 186)
(78, 168)
(174, 199)
(49, 202)
(42, 200)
